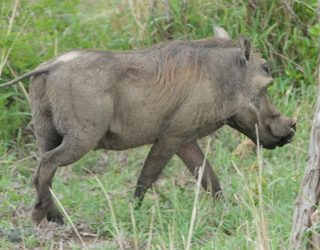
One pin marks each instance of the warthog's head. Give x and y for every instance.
(257, 117)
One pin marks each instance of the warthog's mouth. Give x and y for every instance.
(282, 140)
(287, 139)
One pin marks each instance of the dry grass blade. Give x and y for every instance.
(261, 225)
(151, 229)
(258, 213)
(161, 223)
(171, 237)
(24, 91)
(68, 218)
(6, 52)
(158, 211)
(14, 10)
(196, 198)
(137, 17)
(113, 217)
(134, 228)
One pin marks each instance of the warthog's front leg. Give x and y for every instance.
(160, 154)
(193, 157)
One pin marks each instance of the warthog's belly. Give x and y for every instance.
(122, 136)
(117, 142)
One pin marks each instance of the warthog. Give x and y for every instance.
(168, 95)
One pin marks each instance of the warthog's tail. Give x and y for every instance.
(37, 71)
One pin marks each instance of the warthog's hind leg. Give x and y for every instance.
(160, 154)
(46, 133)
(193, 157)
(70, 150)
(47, 139)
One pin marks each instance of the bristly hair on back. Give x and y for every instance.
(179, 62)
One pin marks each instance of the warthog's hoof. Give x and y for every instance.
(55, 216)
(38, 215)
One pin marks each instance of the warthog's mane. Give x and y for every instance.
(179, 62)
(214, 43)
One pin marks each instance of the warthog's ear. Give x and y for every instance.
(220, 32)
(245, 47)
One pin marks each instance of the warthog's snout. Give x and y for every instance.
(274, 129)
(286, 137)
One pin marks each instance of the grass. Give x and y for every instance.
(223, 224)
(259, 192)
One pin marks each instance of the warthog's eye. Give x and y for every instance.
(266, 68)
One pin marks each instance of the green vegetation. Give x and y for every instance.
(256, 209)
